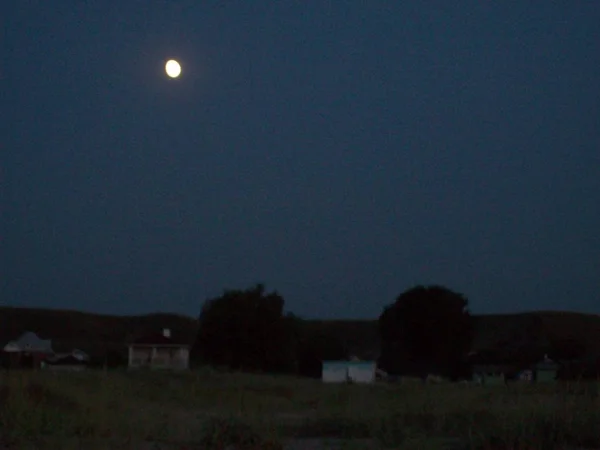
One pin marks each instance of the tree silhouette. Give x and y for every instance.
(245, 330)
(427, 329)
(567, 349)
(315, 348)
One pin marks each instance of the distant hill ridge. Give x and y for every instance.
(98, 332)
(94, 333)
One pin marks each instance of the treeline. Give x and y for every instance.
(247, 330)
(427, 329)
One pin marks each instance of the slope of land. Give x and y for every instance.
(492, 331)
(97, 334)
(540, 327)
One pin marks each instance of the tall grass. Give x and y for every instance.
(122, 409)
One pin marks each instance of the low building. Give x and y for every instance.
(490, 374)
(158, 351)
(493, 367)
(28, 351)
(75, 360)
(545, 370)
(349, 371)
(525, 376)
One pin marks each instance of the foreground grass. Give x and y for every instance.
(152, 410)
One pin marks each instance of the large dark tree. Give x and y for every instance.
(314, 348)
(567, 349)
(245, 330)
(427, 329)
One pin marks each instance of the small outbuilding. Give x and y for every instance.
(545, 370)
(349, 371)
(490, 374)
(76, 360)
(28, 351)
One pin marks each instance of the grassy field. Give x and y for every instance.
(151, 410)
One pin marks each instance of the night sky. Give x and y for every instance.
(339, 152)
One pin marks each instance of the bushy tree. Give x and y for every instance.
(567, 349)
(314, 348)
(427, 329)
(245, 330)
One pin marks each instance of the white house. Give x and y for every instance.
(349, 371)
(28, 350)
(29, 342)
(159, 351)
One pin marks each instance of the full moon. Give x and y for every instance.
(173, 68)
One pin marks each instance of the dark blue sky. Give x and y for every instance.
(339, 152)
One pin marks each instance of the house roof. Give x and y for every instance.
(80, 355)
(158, 339)
(29, 341)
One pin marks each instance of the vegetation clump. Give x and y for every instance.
(233, 434)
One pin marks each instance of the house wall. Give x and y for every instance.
(545, 375)
(488, 378)
(334, 372)
(183, 358)
(176, 358)
(362, 372)
(159, 357)
(356, 371)
(493, 379)
(525, 375)
(140, 356)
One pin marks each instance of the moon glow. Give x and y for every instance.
(173, 68)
